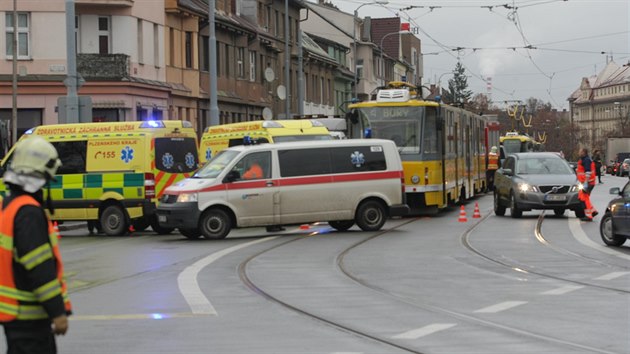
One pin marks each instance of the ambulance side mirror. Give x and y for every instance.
(232, 176)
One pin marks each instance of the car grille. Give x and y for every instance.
(168, 199)
(562, 189)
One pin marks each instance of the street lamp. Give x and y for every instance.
(382, 50)
(354, 38)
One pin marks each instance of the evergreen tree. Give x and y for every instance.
(458, 93)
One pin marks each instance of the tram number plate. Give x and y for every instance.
(555, 197)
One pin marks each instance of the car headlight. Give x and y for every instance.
(524, 187)
(187, 197)
(577, 187)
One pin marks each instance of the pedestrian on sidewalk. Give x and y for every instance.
(598, 165)
(34, 304)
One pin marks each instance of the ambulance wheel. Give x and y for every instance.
(155, 225)
(215, 224)
(192, 234)
(341, 225)
(371, 215)
(114, 220)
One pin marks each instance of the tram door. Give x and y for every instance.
(468, 175)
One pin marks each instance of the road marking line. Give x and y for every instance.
(502, 306)
(611, 276)
(580, 235)
(424, 331)
(189, 286)
(132, 316)
(562, 290)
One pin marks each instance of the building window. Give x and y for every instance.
(267, 18)
(252, 66)
(189, 50)
(360, 68)
(240, 57)
(156, 46)
(104, 35)
(205, 54)
(140, 42)
(23, 35)
(171, 46)
(322, 90)
(276, 27)
(228, 63)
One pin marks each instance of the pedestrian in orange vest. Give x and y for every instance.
(587, 177)
(493, 166)
(34, 304)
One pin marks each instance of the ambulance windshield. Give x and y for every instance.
(215, 166)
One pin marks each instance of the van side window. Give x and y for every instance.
(72, 156)
(255, 166)
(176, 155)
(304, 162)
(358, 158)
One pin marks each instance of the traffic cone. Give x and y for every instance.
(304, 227)
(476, 213)
(131, 229)
(56, 229)
(462, 215)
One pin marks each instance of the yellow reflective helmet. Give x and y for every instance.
(36, 157)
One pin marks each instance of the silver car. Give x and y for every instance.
(536, 180)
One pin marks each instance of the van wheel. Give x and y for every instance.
(192, 234)
(155, 225)
(114, 221)
(371, 216)
(215, 224)
(341, 225)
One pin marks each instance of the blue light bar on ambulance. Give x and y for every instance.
(152, 124)
(186, 124)
(30, 131)
(316, 123)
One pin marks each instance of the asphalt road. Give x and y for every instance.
(421, 285)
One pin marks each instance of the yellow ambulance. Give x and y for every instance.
(219, 137)
(114, 173)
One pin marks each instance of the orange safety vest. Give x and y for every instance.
(493, 161)
(16, 303)
(581, 173)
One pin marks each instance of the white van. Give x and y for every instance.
(340, 181)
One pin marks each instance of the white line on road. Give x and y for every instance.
(562, 290)
(611, 276)
(580, 235)
(189, 287)
(424, 331)
(502, 306)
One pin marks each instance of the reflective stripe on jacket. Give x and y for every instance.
(17, 304)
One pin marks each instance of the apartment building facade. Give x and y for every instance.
(600, 107)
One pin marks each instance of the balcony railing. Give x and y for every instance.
(103, 66)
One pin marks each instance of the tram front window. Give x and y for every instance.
(511, 146)
(402, 125)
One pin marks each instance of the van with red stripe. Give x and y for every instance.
(113, 173)
(343, 182)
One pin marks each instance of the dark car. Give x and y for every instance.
(624, 168)
(615, 225)
(536, 180)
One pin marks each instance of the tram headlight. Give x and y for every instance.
(415, 179)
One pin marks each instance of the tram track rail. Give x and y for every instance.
(464, 317)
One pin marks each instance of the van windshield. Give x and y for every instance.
(216, 165)
(176, 155)
(290, 138)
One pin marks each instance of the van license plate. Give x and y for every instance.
(555, 197)
(161, 218)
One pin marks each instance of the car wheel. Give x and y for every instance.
(558, 211)
(215, 224)
(371, 216)
(607, 232)
(499, 209)
(515, 212)
(192, 234)
(341, 225)
(114, 221)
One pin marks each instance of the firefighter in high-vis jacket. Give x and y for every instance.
(34, 304)
(587, 177)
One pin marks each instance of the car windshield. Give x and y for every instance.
(216, 165)
(543, 166)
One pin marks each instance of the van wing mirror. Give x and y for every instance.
(232, 176)
(507, 172)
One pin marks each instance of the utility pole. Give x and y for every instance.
(15, 55)
(287, 61)
(72, 103)
(213, 113)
